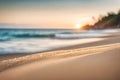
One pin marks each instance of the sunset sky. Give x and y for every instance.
(54, 13)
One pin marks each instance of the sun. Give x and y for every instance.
(78, 26)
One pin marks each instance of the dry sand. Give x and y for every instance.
(101, 61)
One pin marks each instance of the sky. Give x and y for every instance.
(54, 13)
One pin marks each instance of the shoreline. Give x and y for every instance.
(21, 59)
(17, 55)
(102, 60)
(111, 38)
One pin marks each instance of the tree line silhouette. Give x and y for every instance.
(111, 20)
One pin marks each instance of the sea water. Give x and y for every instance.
(38, 40)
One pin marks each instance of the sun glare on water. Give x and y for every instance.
(78, 26)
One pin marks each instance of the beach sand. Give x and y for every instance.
(98, 60)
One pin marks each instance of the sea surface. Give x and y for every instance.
(38, 40)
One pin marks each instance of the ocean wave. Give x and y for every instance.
(63, 35)
(18, 36)
(6, 35)
(10, 36)
(32, 35)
